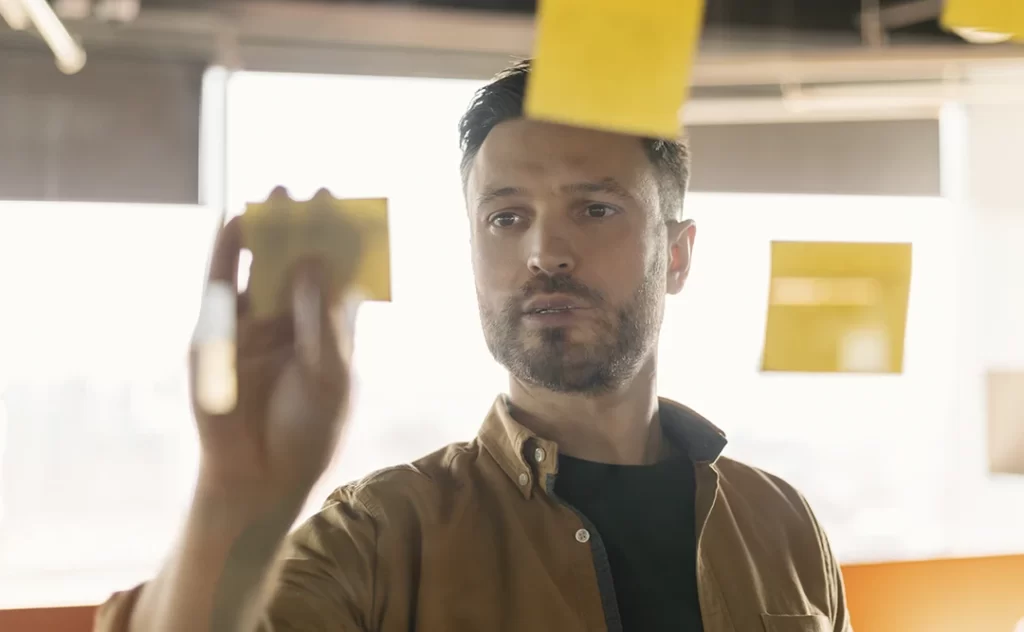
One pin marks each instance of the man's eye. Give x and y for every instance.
(599, 211)
(504, 220)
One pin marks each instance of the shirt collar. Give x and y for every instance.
(526, 458)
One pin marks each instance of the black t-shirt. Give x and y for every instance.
(645, 517)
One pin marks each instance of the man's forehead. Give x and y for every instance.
(526, 149)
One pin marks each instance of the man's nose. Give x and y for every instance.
(550, 252)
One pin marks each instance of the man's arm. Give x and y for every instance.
(251, 577)
(262, 449)
(838, 615)
(219, 576)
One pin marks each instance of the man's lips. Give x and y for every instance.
(552, 304)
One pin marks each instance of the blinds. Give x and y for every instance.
(124, 129)
(890, 157)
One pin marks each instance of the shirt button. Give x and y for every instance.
(583, 536)
(539, 455)
(524, 479)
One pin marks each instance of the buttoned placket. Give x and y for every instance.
(544, 459)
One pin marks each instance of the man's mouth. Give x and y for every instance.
(556, 304)
(551, 310)
(554, 310)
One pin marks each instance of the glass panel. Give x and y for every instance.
(396, 137)
(97, 459)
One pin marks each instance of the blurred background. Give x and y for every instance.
(808, 120)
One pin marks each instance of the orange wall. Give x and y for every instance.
(957, 595)
(954, 595)
(78, 619)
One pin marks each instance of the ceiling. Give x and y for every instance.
(766, 43)
(836, 17)
(798, 16)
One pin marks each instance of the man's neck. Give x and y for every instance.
(619, 427)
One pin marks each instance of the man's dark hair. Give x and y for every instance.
(502, 99)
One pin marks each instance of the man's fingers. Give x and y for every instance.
(316, 332)
(226, 252)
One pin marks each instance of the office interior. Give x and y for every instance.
(807, 120)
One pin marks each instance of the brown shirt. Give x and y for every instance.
(472, 538)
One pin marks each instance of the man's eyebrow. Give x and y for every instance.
(497, 194)
(605, 185)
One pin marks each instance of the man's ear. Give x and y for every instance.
(680, 252)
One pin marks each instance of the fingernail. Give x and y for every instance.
(214, 343)
(217, 313)
(351, 306)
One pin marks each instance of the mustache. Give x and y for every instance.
(560, 285)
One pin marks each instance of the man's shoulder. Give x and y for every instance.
(418, 485)
(748, 488)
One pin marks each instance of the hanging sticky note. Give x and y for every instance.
(349, 236)
(1005, 411)
(614, 65)
(837, 307)
(988, 16)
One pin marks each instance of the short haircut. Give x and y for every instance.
(502, 100)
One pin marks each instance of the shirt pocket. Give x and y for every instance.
(796, 623)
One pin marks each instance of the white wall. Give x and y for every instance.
(984, 178)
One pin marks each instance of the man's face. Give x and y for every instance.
(572, 254)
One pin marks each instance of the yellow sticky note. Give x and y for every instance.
(1005, 407)
(990, 16)
(349, 236)
(837, 307)
(614, 65)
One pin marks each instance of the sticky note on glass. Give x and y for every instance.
(1005, 412)
(837, 307)
(987, 16)
(350, 237)
(614, 65)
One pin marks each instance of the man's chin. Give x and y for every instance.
(576, 380)
(565, 337)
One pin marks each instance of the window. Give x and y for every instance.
(871, 453)
(397, 138)
(98, 456)
(424, 377)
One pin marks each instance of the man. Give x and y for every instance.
(585, 503)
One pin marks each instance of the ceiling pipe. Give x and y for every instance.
(897, 16)
(13, 13)
(69, 55)
(872, 30)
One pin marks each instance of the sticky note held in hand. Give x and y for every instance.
(989, 16)
(349, 236)
(614, 65)
(837, 307)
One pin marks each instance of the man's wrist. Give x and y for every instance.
(262, 520)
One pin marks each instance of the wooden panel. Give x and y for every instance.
(1005, 406)
(74, 619)
(954, 595)
(832, 158)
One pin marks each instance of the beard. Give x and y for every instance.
(550, 358)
